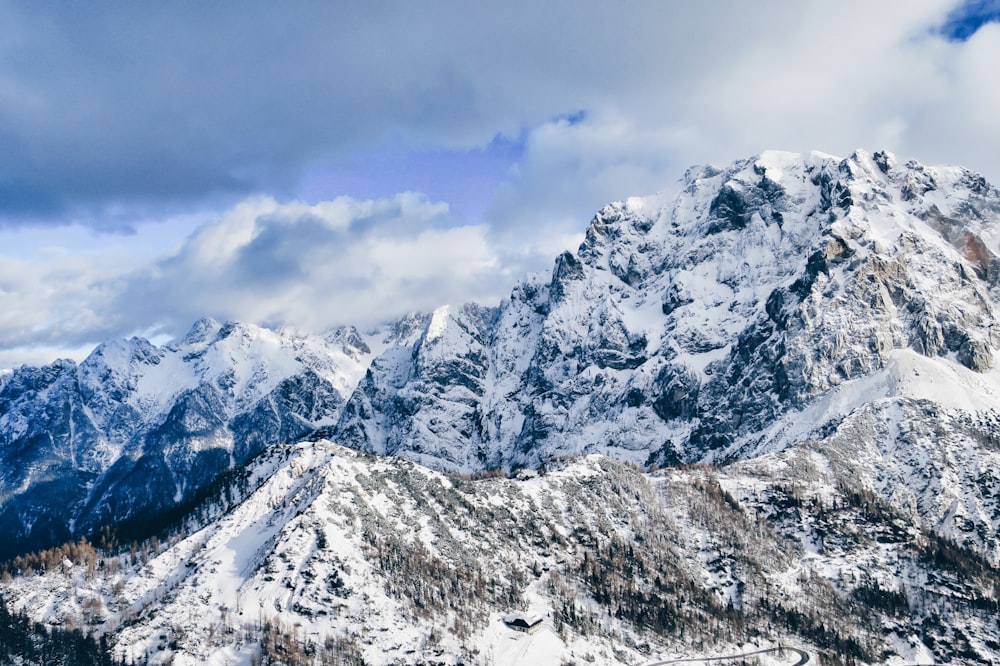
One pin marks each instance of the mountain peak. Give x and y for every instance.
(202, 331)
(438, 324)
(680, 330)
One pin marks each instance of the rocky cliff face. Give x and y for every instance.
(846, 305)
(680, 331)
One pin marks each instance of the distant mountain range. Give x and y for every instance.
(802, 345)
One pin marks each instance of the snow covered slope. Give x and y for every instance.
(341, 556)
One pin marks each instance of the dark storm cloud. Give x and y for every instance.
(122, 104)
(526, 116)
(102, 103)
(274, 257)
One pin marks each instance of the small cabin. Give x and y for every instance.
(528, 623)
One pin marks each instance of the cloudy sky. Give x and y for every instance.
(320, 163)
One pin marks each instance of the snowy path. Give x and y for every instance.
(803, 657)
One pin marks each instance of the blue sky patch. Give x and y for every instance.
(464, 179)
(965, 20)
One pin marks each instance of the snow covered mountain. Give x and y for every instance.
(136, 430)
(805, 344)
(681, 331)
(786, 299)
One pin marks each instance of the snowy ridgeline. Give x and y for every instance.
(691, 330)
(820, 331)
(385, 561)
(137, 431)
(680, 331)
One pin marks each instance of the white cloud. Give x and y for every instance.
(53, 303)
(344, 261)
(170, 112)
(568, 172)
(314, 266)
(804, 76)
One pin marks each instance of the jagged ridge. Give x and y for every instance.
(706, 328)
(680, 331)
(136, 429)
